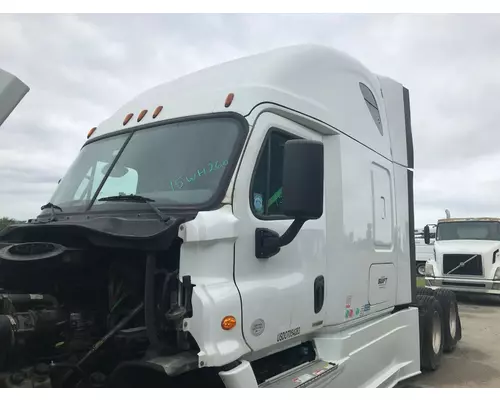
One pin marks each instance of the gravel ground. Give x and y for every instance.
(476, 360)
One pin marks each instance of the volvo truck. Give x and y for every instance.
(467, 255)
(247, 225)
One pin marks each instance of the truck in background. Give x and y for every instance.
(467, 255)
(423, 251)
(248, 225)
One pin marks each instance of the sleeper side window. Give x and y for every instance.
(266, 188)
(371, 103)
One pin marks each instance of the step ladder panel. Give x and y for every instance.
(304, 376)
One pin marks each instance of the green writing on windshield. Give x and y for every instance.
(179, 183)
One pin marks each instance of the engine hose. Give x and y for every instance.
(25, 299)
(77, 367)
(118, 327)
(149, 301)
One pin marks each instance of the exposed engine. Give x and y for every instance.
(73, 314)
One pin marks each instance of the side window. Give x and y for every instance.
(371, 103)
(266, 188)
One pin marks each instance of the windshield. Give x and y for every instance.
(181, 164)
(470, 230)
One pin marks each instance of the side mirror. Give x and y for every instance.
(303, 180)
(303, 176)
(427, 234)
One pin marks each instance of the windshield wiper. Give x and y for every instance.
(52, 207)
(134, 198)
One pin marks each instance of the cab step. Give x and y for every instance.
(305, 375)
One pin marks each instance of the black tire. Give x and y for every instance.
(422, 291)
(431, 332)
(451, 325)
(425, 291)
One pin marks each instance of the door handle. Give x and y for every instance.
(319, 293)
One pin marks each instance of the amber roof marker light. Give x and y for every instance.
(91, 132)
(141, 115)
(127, 118)
(229, 100)
(157, 111)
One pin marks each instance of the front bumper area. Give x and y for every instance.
(465, 285)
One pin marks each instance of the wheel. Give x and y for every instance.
(431, 332)
(425, 291)
(421, 269)
(451, 320)
(421, 321)
(459, 330)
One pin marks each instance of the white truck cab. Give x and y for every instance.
(252, 220)
(467, 255)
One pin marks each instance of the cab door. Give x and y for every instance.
(283, 297)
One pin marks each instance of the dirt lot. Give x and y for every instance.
(476, 361)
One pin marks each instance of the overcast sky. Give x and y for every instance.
(82, 68)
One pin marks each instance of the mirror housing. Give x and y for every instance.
(303, 189)
(427, 234)
(303, 176)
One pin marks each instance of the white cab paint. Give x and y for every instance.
(278, 290)
(207, 255)
(378, 353)
(383, 285)
(361, 244)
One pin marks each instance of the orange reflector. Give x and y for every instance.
(127, 118)
(157, 111)
(229, 100)
(228, 323)
(91, 132)
(141, 115)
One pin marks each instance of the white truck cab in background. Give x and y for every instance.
(467, 255)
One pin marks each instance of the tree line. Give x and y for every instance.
(5, 222)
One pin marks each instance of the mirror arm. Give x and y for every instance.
(268, 243)
(291, 232)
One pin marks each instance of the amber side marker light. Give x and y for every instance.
(91, 132)
(127, 118)
(141, 115)
(229, 100)
(228, 323)
(157, 111)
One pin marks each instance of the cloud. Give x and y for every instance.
(82, 68)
